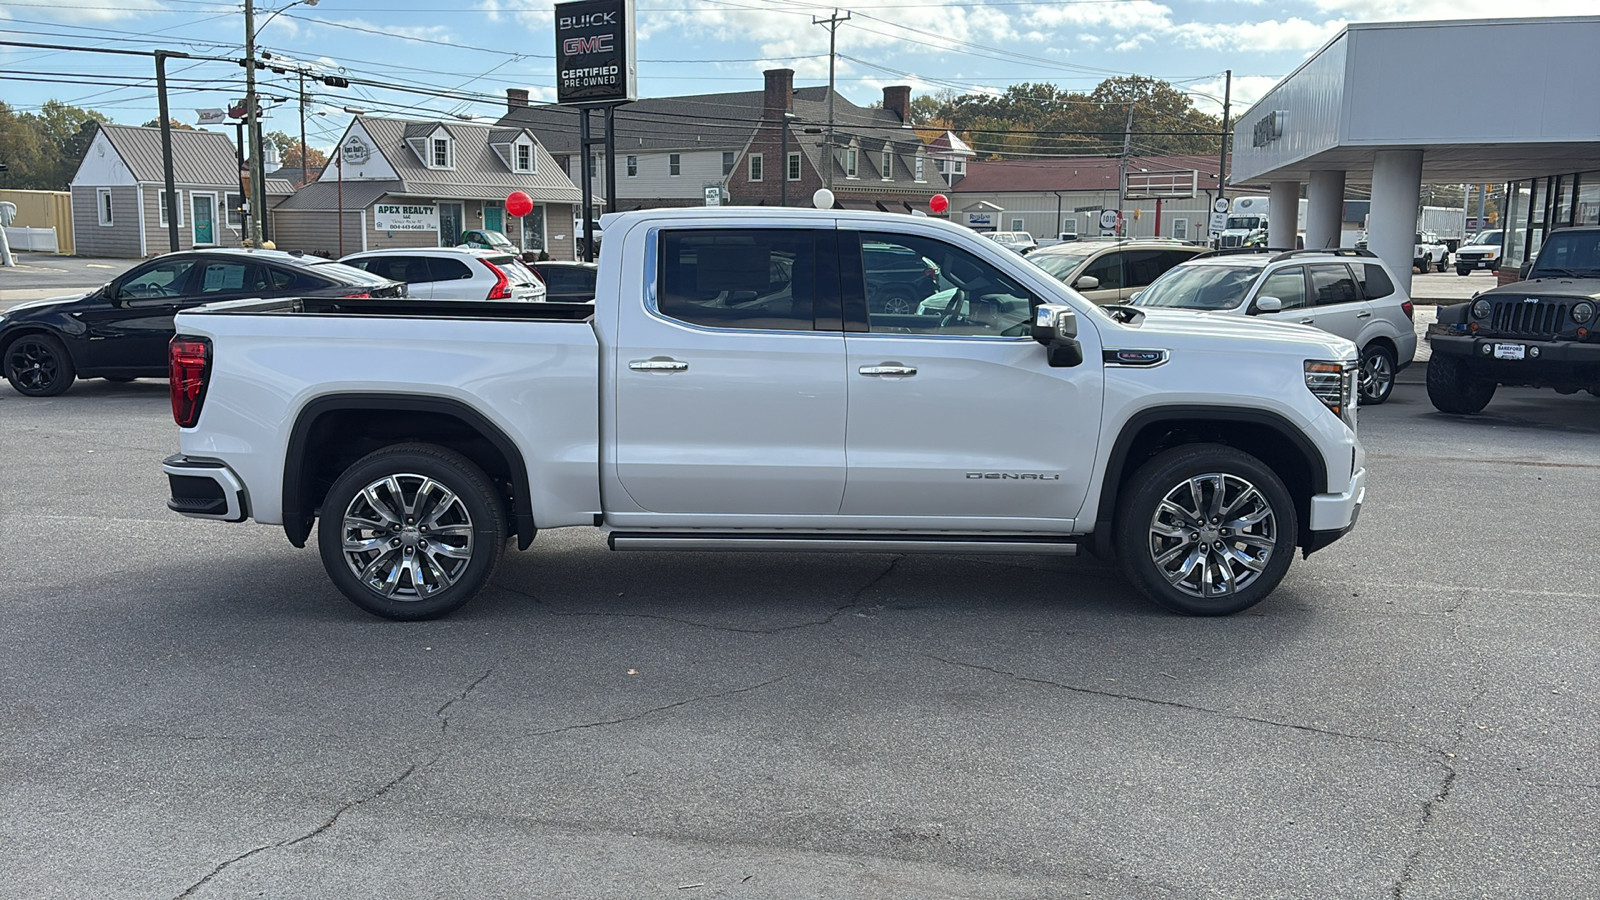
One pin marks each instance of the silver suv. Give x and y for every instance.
(453, 273)
(1350, 293)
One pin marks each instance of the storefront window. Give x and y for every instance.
(1516, 222)
(1538, 216)
(1586, 210)
(1563, 204)
(533, 230)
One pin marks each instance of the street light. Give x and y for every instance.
(258, 190)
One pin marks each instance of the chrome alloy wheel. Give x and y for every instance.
(1377, 377)
(407, 536)
(1212, 535)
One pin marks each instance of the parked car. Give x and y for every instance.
(1430, 254)
(453, 273)
(1110, 272)
(1481, 251)
(567, 282)
(484, 239)
(1020, 241)
(898, 278)
(120, 331)
(1350, 293)
(1539, 332)
(736, 392)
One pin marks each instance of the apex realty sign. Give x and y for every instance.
(595, 56)
(404, 217)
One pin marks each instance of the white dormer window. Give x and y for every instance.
(441, 153)
(522, 159)
(921, 163)
(887, 171)
(850, 162)
(961, 166)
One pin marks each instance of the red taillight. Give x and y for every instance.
(502, 284)
(1409, 310)
(188, 364)
(361, 296)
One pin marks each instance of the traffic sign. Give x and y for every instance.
(1108, 219)
(1219, 205)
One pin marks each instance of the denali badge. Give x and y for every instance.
(1024, 476)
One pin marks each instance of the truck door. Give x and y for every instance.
(956, 420)
(730, 385)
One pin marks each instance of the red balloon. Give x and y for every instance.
(939, 203)
(519, 204)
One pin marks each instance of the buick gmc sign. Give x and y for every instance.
(595, 59)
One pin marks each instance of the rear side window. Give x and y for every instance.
(233, 277)
(1374, 281)
(1145, 266)
(1107, 270)
(443, 268)
(1333, 283)
(751, 278)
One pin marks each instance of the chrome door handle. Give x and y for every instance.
(903, 371)
(658, 364)
(1364, 315)
(1307, 321)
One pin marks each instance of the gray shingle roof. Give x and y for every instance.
(325, 194)
(479, 173)
(198, 157)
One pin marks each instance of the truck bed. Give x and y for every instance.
(407, 309)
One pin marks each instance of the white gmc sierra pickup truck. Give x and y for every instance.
(732, 388)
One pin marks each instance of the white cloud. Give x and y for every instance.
(1450, 10)
(98, 10)
(1247, 89)
(1131, 16)
(1268, 36)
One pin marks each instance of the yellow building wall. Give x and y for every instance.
(45, 209)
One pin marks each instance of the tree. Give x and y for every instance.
(289, 156)
(173, 123)
(23, 150)
(67, 132)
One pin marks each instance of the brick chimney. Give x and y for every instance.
(516, 98)
(897, 99)
(779, 95)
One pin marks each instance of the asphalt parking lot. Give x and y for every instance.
(192, 711)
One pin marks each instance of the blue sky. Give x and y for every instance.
(479, 48)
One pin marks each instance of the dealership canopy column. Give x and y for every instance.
(1375, 99)
(1324, 209)
(1283, 213)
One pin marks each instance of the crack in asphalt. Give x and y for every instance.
(385, 788)
(670, 706)
(1174, 704)
(855, 603)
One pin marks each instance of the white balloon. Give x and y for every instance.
(822, 199)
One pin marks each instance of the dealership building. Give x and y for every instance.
(1376, 106)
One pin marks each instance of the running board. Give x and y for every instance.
(845, 543)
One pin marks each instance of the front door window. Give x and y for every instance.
(452, 219)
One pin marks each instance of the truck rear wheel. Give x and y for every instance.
(411, 531)
(1453, 390)
(1207, 530)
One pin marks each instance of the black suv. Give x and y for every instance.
(120, 331)
(1538, 332)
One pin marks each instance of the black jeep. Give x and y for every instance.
(1538, 332)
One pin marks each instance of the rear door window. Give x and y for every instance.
(764, 279)
(1332, 283)
(233, 278)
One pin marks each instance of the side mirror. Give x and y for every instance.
(1134, 296)
(1055, 325)
(1086, 283)
(1268, 304)
(1522, 270)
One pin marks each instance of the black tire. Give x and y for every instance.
(420, 580)
(1153, 543)
(1443, 263)
(1463, 270)
(1453, 390)
(38, 365)
(1377, 374)
(897, 301)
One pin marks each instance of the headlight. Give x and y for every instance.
(1481, 309)
(1334, 383)
(1581, 313)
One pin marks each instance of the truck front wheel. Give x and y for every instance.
(1206, 530)
(411, 531)
(1453, 390)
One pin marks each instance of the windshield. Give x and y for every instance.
(1244, 223)
(1059, 265)
(1200, 287)
(1488, 238)
(1569, 253)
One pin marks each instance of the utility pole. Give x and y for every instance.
(305, 171)
(1122, 174)
(1222, 161)
(833, 22)
(252, 121)
(171, 203)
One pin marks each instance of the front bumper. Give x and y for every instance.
(205, 489)
(1549, 352)
(1334, 515)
